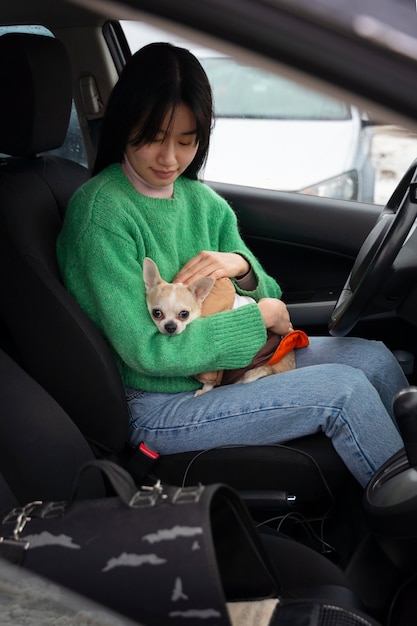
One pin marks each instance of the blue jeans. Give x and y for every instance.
(342, 386)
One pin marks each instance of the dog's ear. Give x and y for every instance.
(151, 274)
(201, 288)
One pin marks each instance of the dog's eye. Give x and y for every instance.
(157, 314)
(184, 315)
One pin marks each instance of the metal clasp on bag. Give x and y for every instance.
(184, 495)
(149, 495)
(152, 495)
(20, 516)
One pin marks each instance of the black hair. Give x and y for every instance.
(155, 80)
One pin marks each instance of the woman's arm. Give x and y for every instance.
(223, 264)
(213, 264)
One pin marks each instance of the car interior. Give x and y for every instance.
(62, 398)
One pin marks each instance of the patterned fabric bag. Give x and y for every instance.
(158, 555)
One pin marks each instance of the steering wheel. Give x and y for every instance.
(377, 254)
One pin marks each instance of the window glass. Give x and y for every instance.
(273, 133)
(30, 28)
(73, 147)
(264, 95)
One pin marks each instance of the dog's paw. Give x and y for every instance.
(256, 373)
(204, 389)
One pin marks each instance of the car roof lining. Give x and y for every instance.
(49, 13)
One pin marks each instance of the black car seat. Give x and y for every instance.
(47, 332)
(41, 449)
(51, 337)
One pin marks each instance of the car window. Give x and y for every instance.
(273, 133)
(264, 95)
(73, 147)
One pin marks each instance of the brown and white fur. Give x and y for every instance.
(173, 306)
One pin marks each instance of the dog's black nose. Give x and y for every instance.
(170, 327)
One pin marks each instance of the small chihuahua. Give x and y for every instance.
(173, 306)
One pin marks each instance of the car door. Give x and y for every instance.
(307, 243)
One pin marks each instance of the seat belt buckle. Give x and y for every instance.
(147, 451)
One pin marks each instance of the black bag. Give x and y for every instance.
(159, 555)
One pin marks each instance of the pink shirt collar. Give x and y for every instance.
(142, 186)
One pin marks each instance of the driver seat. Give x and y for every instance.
(48, 334)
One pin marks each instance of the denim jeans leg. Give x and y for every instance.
(372, 357)
(336, 399)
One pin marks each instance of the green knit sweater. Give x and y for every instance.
(108, 229)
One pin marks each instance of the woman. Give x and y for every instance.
(144, 199)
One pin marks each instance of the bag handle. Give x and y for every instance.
(121, 481)
(136, 497)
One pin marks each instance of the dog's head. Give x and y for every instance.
(173, 306)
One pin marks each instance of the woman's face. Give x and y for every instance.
(160, 162)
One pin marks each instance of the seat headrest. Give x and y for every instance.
(35, 105)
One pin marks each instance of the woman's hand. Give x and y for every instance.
(213, 264)
(275, 315)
